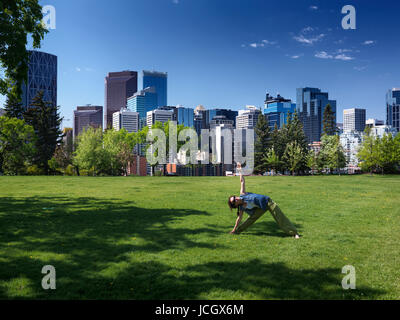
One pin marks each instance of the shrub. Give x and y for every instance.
(34, 170)
(69, 170)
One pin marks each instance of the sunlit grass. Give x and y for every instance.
(167, 238)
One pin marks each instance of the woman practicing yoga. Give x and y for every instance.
(255, 205)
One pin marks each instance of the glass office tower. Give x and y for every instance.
(42, 76)
(311, 103)
(142, 102)
(158, 80)
(277, 110)
(393, 108)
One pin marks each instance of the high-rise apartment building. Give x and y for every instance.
(393, 108)
(159, 81)
(351, 141)
(311, 104)
(354, 120)
(162, 116)
(247, 119)
(42, 76)
(119, 86)
(379, 128)
(87, 116)
(126, 119)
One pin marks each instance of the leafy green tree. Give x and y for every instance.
(90, 154)
(329, 124)
(293, 156)
(368, 153)
(17, 145)
(261, 145)
(179, 128)
(46, 121)
(312, 161)
(332, 153)
(272, 160)
(13, 107)
(19, 19)
(387, 149)
(118, 148)
(61, 159)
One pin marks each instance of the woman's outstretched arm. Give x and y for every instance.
(242, 183)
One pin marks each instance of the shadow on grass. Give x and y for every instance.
(269, 229)
(86, 239)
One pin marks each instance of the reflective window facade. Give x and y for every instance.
(393, 108)
(42, 76)
(311, 103)
(158, 80)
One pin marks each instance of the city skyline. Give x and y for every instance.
(222, 55)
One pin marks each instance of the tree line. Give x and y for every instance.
(379, 155)
(286, 149)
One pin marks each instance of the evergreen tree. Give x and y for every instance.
(297, 134)
(261, 145)
(279, 144)
(45, 119)
(329, 125)
(13, 107)
(293, 156)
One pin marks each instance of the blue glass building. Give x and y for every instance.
(185, 116)
(311, 103)
(277, 110)
(181, 115)
(158, 80)
(142, 102)
(42, 76)
(229, 114)
(393, 108)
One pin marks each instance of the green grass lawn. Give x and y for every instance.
(168, 238)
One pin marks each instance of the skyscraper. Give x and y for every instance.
(277, 110)
(200, 119)
(42, 76)
(118, 87)
(143, 101)
(311, 103)
(354, 120)
(87, 116)
(393, 108)
(158, 80)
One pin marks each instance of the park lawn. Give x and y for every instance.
(168, 238)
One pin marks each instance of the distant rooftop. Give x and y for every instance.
(155, 73)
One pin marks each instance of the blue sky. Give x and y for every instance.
(228, 54)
